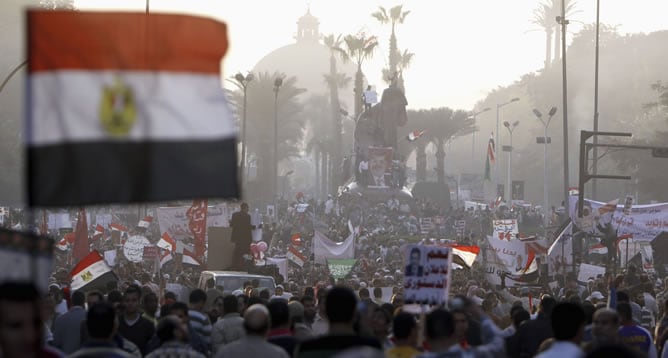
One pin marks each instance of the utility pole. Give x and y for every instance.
(562, 20)
(594, 193)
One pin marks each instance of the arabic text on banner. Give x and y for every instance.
(644, 223)
(174, 221)
(427, 274)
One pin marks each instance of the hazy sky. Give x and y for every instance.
(463, 49)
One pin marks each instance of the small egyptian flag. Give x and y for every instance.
(145, 222)
(166, 242)
(414, 135)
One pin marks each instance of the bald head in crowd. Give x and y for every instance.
(257, 321)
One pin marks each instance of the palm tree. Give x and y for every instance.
(440, 126)
(260, 117)
(545, 16)
(555, 11)
(405, 59)
(541, 17)
(358, 48)
(320, 141)
(335, 81)
(395, 16)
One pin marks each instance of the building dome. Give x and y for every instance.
(308, 60)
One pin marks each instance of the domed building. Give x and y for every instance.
(308, 60)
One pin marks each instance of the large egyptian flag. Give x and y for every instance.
(127, 107)
(91, 273)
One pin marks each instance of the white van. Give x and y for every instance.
(233, 280)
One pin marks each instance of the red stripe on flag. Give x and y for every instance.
(297, 253)
(90, 259)
(78, 40)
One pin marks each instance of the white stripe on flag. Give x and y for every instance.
(165, 111)
(467, 256)
(89, 274)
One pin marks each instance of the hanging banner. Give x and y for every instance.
(644, 222)
(427, 274)
(196, 215)
(59, 221)
(324, 248)
(174, 220)
(281, 263)
(340, 268)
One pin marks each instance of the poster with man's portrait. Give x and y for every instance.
(379, 174)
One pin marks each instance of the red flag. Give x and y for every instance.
(197, 225)
(296, 239)
(81, 245)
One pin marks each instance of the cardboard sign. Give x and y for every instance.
(150, 252)
(427, 274)
(588, 271)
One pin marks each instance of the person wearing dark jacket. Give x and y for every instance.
(532, 333)
(242, 235)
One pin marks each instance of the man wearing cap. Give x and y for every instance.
(596, 297)
(279, 293)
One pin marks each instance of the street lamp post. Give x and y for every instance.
(546, 124)
(243, 83)
(278, 82)
(511, 128)
(473, 116)
(498, 106)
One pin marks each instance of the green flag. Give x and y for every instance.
(487, 170)
(340, 268)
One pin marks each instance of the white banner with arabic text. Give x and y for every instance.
(174, 221)
(644, 222)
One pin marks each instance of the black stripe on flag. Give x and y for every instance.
(125, 172)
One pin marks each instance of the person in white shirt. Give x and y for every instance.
(568, 323)
(370, 97)
(329, 205)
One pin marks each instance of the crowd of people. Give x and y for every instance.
(313, 314)
(329, 321)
